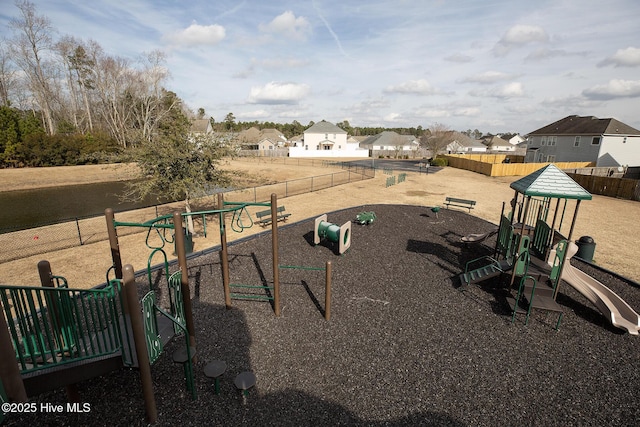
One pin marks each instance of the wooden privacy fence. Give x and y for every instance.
(622, 188)
(472, 163)
(492, 165)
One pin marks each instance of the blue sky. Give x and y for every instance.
(496, 66)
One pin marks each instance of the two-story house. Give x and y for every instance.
(606, 142)
(324, 139)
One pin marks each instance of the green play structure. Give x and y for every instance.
(530, 246)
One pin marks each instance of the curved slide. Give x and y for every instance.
(614, 308)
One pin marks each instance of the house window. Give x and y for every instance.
(326, 136)
(540, 157)
(327, 147)
(624, 140)
(306, 147)
(543, 141)
(551, 159)
(552, 140)
(318, 147)
(576, 142)
(339, 147)
(595, 140)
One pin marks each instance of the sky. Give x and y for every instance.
(492, 65)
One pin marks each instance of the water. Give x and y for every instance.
(23, 209)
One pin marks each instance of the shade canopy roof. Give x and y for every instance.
(550, 182)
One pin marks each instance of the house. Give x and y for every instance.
(605, 142)
(265, 139)
(389, 143)
(324, 139)
(201, 126)
(463, 144)
(496, 144)
(513, 138)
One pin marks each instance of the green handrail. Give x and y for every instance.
(58, 325)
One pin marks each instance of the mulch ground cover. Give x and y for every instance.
(404, 345)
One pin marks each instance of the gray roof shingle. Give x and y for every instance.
(550, 181)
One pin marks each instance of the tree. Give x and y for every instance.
(176, 164)
(230, 121)
(33, 38)
(436, 139)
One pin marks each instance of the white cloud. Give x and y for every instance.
(459, 57)
(510, 90)
(488, 77)
(614, 89)
(196, 35)
(416, 87)
(520, 35)
(546, 53)
(468, 112)
(629, 57)
(278, 93)
(393, 117)
(288, 25)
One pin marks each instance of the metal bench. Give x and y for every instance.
(264, 217)
(461, 203)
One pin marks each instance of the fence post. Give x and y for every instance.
(78, 228)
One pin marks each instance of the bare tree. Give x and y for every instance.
(29, 48)
(147, 93)
(436, 139)
(8, 79)
(112, 77)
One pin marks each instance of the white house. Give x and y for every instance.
(463, 144)
(391, 144)
(325, 139)
(496, 144)
(606, 142)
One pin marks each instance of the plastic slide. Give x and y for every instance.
(614, 308)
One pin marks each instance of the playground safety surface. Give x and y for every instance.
(404, 345)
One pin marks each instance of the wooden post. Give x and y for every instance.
(224, 254)
(9, 370)
(115, 252)
(274, 250)
(113, 242)
(327, 291)
(184, 279)
(137, 326)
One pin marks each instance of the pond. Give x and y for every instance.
(23, 209)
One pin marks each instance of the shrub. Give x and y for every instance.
(439, 162)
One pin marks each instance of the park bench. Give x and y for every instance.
(461, 203)
(264, 217)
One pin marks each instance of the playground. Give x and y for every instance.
(403, 345)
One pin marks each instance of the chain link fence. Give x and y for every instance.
(81, 231)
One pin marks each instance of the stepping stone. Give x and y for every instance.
(244, 381)
(180, 355)
(215, 370)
